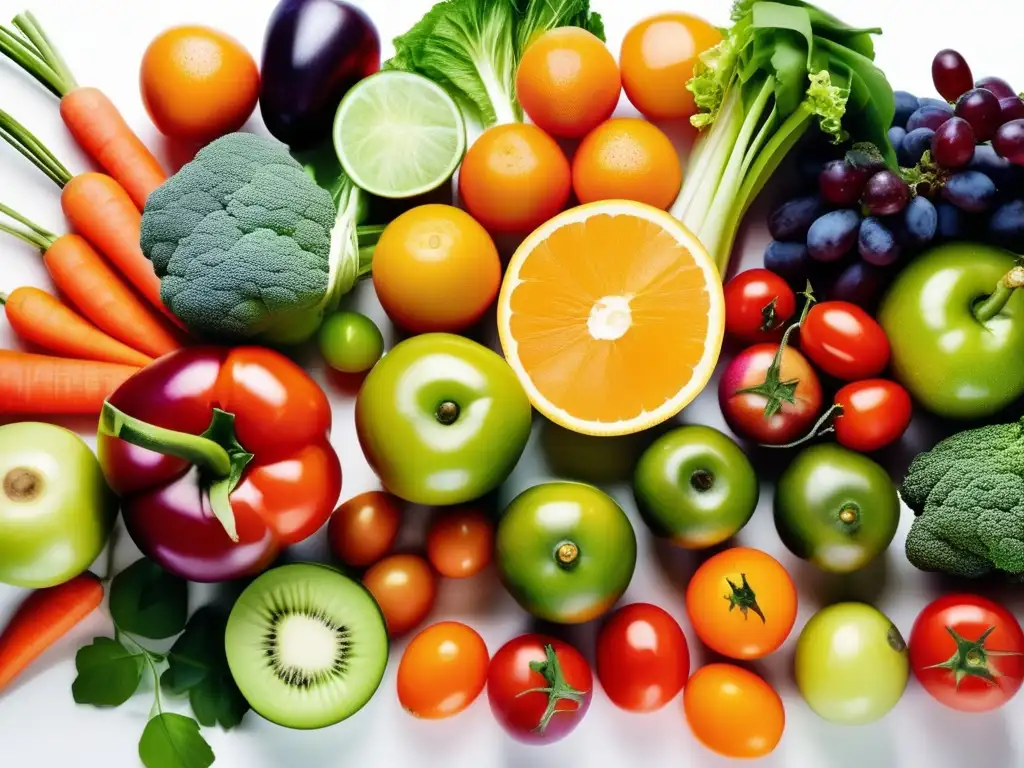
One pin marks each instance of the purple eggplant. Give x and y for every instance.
(313, 53)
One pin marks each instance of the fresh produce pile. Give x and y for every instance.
(891, 286)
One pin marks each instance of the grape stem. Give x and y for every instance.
(995, 303)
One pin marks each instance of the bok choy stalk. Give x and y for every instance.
(781, 67)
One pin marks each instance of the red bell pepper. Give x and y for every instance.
(221, 457)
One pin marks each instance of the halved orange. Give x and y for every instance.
(612, 316)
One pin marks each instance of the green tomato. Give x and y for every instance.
(956, 327)
(442, 420)
(565, 551)
(851, 664)
(836, 508)
(350, 342)
(56, 511)
(695, 486)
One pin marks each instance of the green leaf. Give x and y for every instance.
(779, 16)
(108, 673)
(147, 601)
(216, 700)
(174, 741)
(789, 61)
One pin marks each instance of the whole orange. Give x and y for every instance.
(436, 269)
(568, 82)
(629, 159)
(657, 60)
(198, 83)
(514, 178)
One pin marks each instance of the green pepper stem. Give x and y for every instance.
(995, 303)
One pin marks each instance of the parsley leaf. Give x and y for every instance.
(174, 741)
(108, 673)
(147, 601)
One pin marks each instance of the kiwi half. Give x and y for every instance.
(306, 645)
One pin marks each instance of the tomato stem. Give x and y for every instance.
(447, 412)
(971, 658)
(819, 428)
(567, 553)
(702, 480)
(744, 598)
(557, 689)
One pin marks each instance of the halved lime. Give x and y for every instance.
(399, 135)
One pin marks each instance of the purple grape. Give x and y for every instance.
(1010, 108)
(790, 261)
(860, 284)
(833, 235)
(928, 117)
(906, 105)
(953, 144)
(952, 222)
(920, 221)
(841, 183)
(896, 136)
(951, 74)
(885, 194)
(980, 108)
(928, 101)
(970, 191)
(914, 145)
(877, 243)
(791, 220)
(1009, 141)
(999, 169)
(999, 87)
(1006, 227)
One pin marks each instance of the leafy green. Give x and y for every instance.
(108, 673)
(472, 49)
(173, 741)
(147, 601)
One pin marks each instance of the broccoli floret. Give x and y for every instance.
(968, 495)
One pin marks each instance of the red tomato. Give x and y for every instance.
(642, 658)
(972, 638)
(844, 341)
(560, 668)
(875, 414)
(795, 386)
(758, 305)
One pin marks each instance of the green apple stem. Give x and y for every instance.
(995, 303)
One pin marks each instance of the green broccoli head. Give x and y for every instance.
(241, 239)
(968, 495)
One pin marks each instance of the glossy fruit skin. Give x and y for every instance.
(733, 712)
(198, 83)
(350, 342)
(56, 511)
(565, 551)
(742, 603)
(657, 59)
(851, 664)
(695, 487)
(744, 412)
(970, 616)
(836, 508)
(627, 158)
(443, 670)
(643, 660)
(286, 493)
(514, 178)
(844, 341)
(305, 76)
(875, 414)
(953, 364)
(436, 269)
(405, 589)
(400, 414)
(758, 306)
(364, 528)
(510, 675)
(460, 542)
(568, 82)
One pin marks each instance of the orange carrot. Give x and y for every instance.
(45, 617)
(94, 121)
(41, 385)
(42, 319)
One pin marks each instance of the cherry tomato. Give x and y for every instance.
(742, 603)
(968, 652)
(460, 542)
(844, 341)
(758, 305)
(404, 588)
(364, 528)
(794, 387)
(875, 413)
(552, 672)
(642, 658)
(733, 712)
(443, 670)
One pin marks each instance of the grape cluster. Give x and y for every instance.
(961, 178)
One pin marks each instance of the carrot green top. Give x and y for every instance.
(27, 45)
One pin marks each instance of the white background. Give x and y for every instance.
(103, 41)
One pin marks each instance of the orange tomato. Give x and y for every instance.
(436, 269)
(733, 712)
(742, 603)
(405, 589)
(627, 159)
(568, 82)
(514, 178)
(460, 542)
(657, 60)
(198, 83)
(443, 670)
(364, 528)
